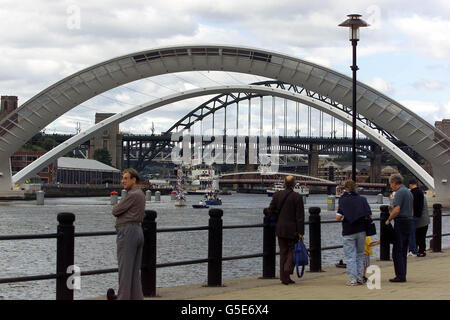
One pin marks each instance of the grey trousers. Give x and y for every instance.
(130, 242)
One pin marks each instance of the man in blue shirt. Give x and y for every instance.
(401, 212)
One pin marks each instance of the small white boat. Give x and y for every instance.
(300, 189)
(200, 205)
(275, 188)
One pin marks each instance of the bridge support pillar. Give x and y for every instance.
(375, 164)
(313, 160)
(5, 176)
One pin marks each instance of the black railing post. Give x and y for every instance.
(269, 248)
(315, 245)
(215, 248)
(65, 247)
(385, 246)
(148, 266)
(437, 227)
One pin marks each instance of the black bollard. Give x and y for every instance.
(269, 248)
(148, 266)
(65, 248)
(437, 227)
(385, 246)
(315, 245)
(215, 248)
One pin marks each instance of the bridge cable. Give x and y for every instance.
(235, 78)
(161, 85)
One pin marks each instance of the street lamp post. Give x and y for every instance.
(354, 23)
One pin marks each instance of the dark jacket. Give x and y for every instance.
(417, 202)
(291, 218)
(355, 209)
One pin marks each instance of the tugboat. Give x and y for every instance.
(202, 180)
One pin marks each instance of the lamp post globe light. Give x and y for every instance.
(354, 23)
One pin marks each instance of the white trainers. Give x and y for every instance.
(410, 254)
(352, 283)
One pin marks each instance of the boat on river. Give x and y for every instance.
(202, 180)
(300, 189)
(212, 199)
(200, 205)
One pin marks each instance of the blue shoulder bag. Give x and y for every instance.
(300, 256)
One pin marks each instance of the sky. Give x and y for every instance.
(405, 53)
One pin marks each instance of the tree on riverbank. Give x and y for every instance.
(103, 156)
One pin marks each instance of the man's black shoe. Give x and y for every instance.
(111, 295)
(397, 280)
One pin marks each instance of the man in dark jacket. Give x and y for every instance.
(289, 208)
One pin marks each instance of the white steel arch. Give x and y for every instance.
(36, 113)
(373, 134)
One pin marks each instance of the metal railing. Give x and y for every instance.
(66, 239)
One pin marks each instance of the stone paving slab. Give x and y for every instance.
(428, 278)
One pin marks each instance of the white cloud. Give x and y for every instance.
(429, 36)
(430, 111)
(420, 107)
(430, 85)
(381, 85)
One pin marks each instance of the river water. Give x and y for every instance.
(34, 257)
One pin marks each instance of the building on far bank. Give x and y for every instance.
(85, 171)
(8, 105)
(22, 158)
(109, 139)
(340, 171)
(443, 125)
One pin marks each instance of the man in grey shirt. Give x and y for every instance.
(401, 212)
(129, 213)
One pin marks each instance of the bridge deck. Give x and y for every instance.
(428, 278)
